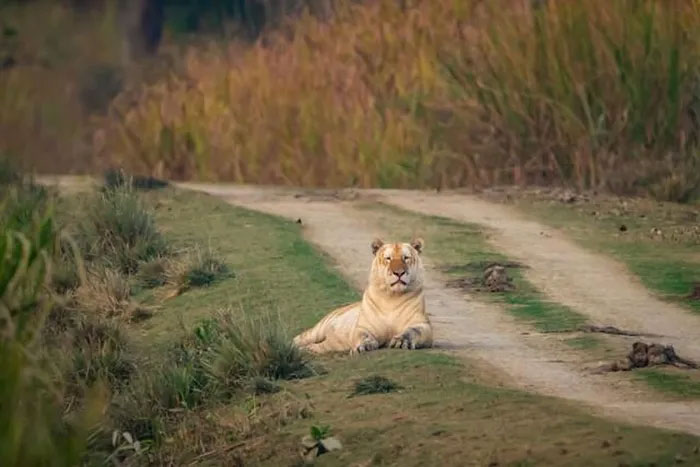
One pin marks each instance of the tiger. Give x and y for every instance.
(391, 314)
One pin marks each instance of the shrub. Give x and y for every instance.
(121, 231)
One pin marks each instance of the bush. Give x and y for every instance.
(121, 231)
(592, 94)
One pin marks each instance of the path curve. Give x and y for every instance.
(473, 328)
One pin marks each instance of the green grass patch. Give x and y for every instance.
(275, 270)
(468, 254)
(666, 260)
(583, 342)
(670, 382)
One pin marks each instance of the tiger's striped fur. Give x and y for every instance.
(391, 313)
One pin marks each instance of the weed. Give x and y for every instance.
(374, 384)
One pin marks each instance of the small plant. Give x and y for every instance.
(375, 384)
(319, 442)
(319, 433)
(121, 231)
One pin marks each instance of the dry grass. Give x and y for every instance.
(588, 93)
(57, 68)
(108, 293)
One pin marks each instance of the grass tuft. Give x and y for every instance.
(121, 231)
(375, 384)
(198, 268)
(108, 293)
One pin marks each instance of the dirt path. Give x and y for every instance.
(475, 329)
(594, 285)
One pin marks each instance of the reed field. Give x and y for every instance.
(413, 93)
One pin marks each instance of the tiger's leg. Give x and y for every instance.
(415, 336)
(364, 341)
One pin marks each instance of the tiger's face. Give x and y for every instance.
(397, 267)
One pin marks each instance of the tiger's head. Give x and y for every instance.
(397, 268)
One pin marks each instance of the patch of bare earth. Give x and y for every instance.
(483, 331)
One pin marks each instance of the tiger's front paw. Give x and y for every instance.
(406, 341)
(367, 344)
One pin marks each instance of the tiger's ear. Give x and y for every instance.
(418, 244)
(376, 245)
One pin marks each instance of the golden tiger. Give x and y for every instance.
(391, 313)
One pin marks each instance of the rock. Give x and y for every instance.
(605, 444)
(330, 444)
(623, 228)
(308, 442)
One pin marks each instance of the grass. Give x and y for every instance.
(120, 230)
(666, 262)
(586, 93)
(227, 388)
(375, 384)
(443, 417)
(671, 382)
(248, 243)
(469, 252)
(33, 428)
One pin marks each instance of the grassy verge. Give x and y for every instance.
(462, 250)
(659, 242)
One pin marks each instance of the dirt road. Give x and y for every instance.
(483, 330)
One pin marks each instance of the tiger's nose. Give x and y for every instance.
(399, 273)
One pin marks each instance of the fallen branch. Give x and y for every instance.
(646, 355)
(613, 330)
